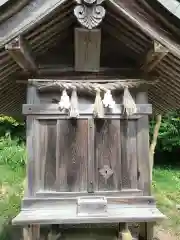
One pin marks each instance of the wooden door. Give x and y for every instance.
(73, 157)
(86, 155)
(62, 150)
(115, 155)
(107, 155)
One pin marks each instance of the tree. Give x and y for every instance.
(169, 132)
(154, 142)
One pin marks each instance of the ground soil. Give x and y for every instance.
(162, 234)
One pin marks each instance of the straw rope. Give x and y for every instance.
(92, 86)
(72, 105)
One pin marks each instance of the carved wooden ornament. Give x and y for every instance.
(89, 13)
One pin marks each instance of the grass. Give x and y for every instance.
(12, 173)
(11, 190)
(166, 188)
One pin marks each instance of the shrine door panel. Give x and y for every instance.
(129, 154)
(107, 155)
(62, 155)
(115, 155)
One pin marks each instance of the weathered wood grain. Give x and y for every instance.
(129, 154)
(107, 153)
(47, 154)
(32, 97)
(91, 174)
(31, 232)
(143, 148)
(73, 155)
(146, 229)
(87, 50)
(20, 51)
(154, 56)
(84, 109)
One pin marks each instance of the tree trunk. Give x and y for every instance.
(154, 142)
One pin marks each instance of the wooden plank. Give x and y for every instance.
(143, 148)
(91, 177)
(107, 155)
(87, 50)
(102, 76)
(73, 156)
(47, 154)
(129, 154)
(32, 97)
(85, 117)
(30, 156)
(124, 164)
(132, 152)
(67, 72)
(84, 109)
(20, 51)
(71, 198)
(121, 193)
(28, 17)
(116, 213)
(61, 165)
(146, 229)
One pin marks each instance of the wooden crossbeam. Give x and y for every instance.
(84, 111)
(61, 71)
(154, 56)
(20, 52)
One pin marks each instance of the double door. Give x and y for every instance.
(85, 155)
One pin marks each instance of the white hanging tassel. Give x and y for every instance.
(74, 112)
(64, 103)
(125, 234)
(98, 111)
(108, 100)
(129, 103)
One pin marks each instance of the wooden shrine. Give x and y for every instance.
(87, 75)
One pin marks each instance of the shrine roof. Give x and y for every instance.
(135, 24)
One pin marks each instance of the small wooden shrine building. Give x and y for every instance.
(86, 75)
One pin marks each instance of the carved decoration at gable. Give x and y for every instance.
(89, 13)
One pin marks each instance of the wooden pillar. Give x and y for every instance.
(31, 232)
(32, 98)
(146, 229)
(143, 147)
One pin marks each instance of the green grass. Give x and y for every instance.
(12, 174)
(11, 192)
(166, 187)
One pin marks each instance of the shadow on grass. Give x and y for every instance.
(167, 160)
(10, 232)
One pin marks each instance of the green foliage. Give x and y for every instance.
(12, 152)
(166, 184)
(10, 126)
(11, 193)
(169, 133)
(12, 146)
(12, 173)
